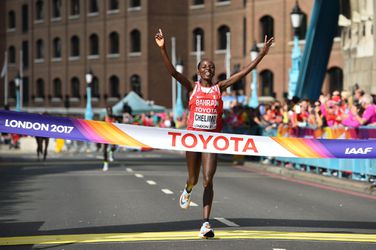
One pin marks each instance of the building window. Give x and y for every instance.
(94, 44)
(39, 10)
(75, 85)
(344, 8)
(113, 5)
(93, 6)
(135, 3)
(114, 43)
(12, 90)
(25, 90)
(135, 41)
(197, 2)
(114, 86)
(267, 88)
(25, 18)
(25, 54)
(195, 33)
(39, 49)
(40, 88)
(222, 37)
(11, 20)
(75, 46)
(56, 50)
(75, 8)
(222, 2)
(57, 88)
(136, 84)
(266, 27)
(12, 55)
(95, 87)
(335, 75)
(56, 8)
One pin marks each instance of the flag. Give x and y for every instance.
(5, 66)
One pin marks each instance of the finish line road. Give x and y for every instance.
(68, 202)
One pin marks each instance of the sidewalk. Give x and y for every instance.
(347, 184)
(28, 145)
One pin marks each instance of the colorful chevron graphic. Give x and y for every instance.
(106, 132)
(304, 148)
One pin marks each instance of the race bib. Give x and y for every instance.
(205, 121)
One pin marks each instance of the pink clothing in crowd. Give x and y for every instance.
(351, 121)
(369, 114)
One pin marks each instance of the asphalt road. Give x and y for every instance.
(68, 202)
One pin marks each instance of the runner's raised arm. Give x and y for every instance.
(159, 39)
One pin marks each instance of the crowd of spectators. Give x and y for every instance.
(340, 109)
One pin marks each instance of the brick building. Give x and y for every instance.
(358, 44)
(62, 39)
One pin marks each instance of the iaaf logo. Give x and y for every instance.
(355, 151)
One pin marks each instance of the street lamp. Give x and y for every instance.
(88, 112)
(198, 53)
(296, 57)
(253, 100)
(179, 110)
(17, 81)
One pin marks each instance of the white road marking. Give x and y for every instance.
(150, 182)
(192, 204)
(129, 170)
(167, 191)
(139, 175)
(279, 248)
(226, 222)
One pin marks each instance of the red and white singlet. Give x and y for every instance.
(205, 108)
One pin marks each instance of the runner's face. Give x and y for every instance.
(206, 70)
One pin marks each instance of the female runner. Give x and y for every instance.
(205, 114)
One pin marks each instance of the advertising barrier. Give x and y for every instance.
(173, 139)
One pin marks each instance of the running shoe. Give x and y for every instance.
(206, 231)
(185, 199)
(105, 166)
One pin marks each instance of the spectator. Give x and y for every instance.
(359, 93)
(300, 117)
(369, 114)
(285, 114)
(347, 101)
(127, 108)
(350, 119)
(332, 114)
(320, 119)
